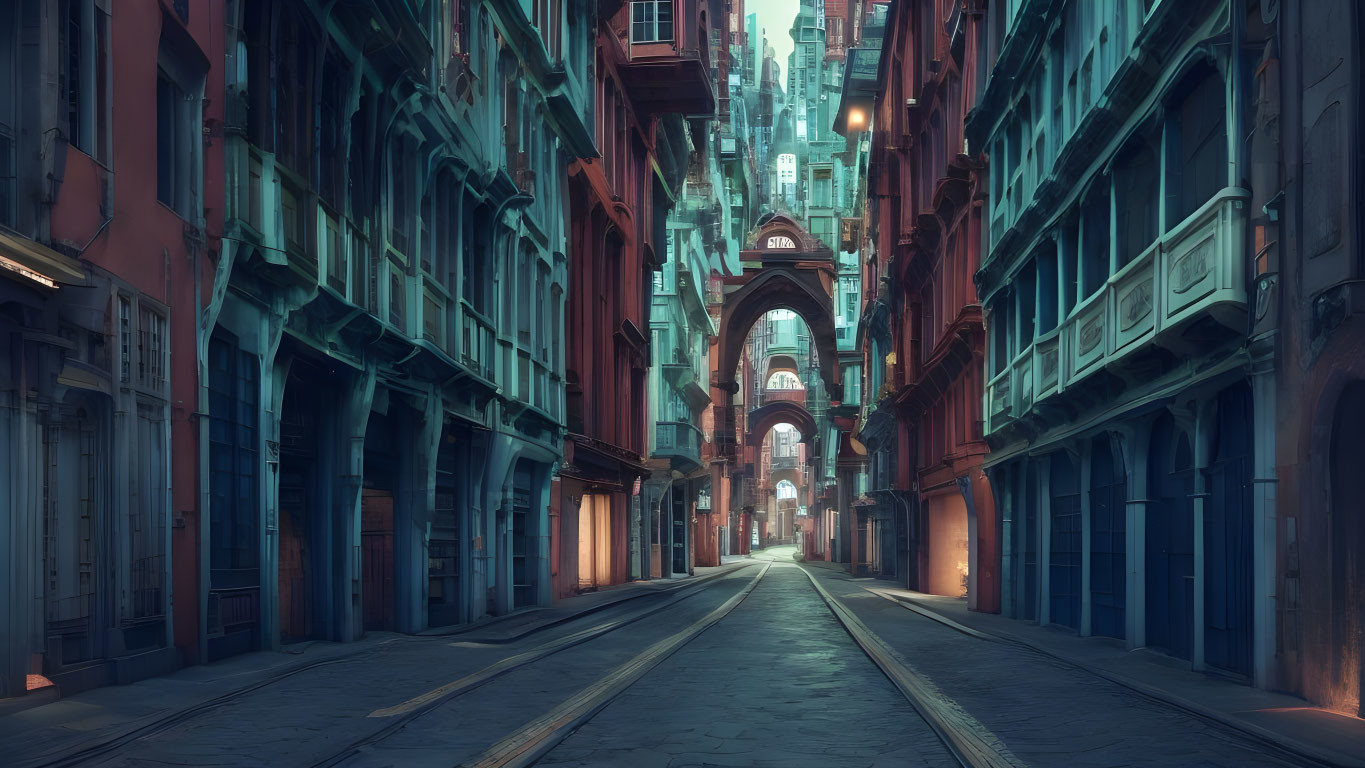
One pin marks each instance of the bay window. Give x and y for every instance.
(651, 21)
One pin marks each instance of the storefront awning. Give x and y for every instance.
(26, 259)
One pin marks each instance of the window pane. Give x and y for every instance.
(165, 140)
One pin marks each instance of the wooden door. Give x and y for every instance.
(376, 559)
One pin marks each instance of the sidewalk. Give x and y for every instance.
(42, 727)
(1285, 720)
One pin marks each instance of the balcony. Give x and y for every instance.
(1192, 278)
(684, 380)
(680, 443)
(668, 59)
(767, 396)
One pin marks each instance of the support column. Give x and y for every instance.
(1136, 442)
(1004, 506)
(1204, 425)
(1265, 522)
(1044, 543)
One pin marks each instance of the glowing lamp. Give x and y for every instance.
(857, 119)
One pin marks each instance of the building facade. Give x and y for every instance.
(382, 365)
(1130, 439)
(928, 224)
(110, 220)
(1307, 269)
(653, 66)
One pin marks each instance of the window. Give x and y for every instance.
(402, 195)
(477, 255)
(83, 76)
(651, 21)
(525, 296)
(178, 152)
(547, 21)
(1047, 289)
(294, 93)
(9, 113)
(142, 344)
(1199, 156)
(999, 327)
(234, 387)
(332, 160)
(1095, 238)
(1138, 189)
(822, 186)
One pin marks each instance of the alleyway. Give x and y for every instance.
(673, 383)
(652, 680)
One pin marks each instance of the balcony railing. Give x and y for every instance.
(766, 396)
(1197, 269)
(678, 440)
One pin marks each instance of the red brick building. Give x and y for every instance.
(928, 224)
(111, 213)
(653, 64)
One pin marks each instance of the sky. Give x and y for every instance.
(776, 17)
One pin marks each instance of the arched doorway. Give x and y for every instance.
(1064, 565)
(1170, 540)
(1347, 468)
(1227, 537)
(1108, 540)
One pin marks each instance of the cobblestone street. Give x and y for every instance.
(776, 678)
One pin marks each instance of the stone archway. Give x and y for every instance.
(764, 418)
(785, 267)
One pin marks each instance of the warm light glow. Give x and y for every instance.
(38, 681)
(15, 266)
(857, 118)
(594, 541)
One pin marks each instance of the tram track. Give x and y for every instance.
(970, 744)
(156, 724)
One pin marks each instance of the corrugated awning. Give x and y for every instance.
(33, 261)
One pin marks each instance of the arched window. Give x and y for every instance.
(1138, 197)
(1198, 141)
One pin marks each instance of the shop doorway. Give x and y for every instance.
(945, 559)
(443, 550)
(1170, 540)
(523, 539)
(1108, 541)
(594, 541)
(376, 559)
(1227, 537)
(1064, 565)
(234, 499)
(302, 520)
(74, 476)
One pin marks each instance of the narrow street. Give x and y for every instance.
(643, 682)
(682, 383)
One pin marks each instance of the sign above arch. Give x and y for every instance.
(780, 236)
